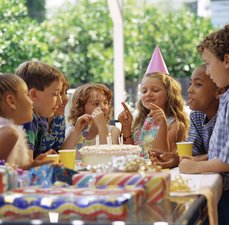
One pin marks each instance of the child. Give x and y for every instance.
(94, 100)
(45, 84)
(161, 120)
(15, 109)
(215, 52)
(54, 136)
(203, 98)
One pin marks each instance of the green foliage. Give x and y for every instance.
(176, 33)
(21, 38)
(78, 39)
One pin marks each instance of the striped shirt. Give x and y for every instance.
(219, 142)
(200, 132)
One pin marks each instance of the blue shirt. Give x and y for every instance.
(33, 129)
(200, 132)
(54, 137)
(219, 142)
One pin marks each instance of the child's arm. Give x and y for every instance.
(101, 123)
(75, 132)
(38, 161)
(126, 118)
(213, 165)
(8, 139)
(161, 140)
(197, 157)
(115, 134)
(175, 134)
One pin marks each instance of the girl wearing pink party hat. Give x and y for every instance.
(161, 120)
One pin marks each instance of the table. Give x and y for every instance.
(187, 209)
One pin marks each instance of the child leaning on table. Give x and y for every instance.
(92, 101)
(45, 84)
(15, 108)
(161, 120)
(203, 99)
(215, 52)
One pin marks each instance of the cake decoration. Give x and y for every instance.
(101, 154)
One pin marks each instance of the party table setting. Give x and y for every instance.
(127, 189)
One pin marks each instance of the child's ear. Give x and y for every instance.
(10, 101)
(32, 94)
(226, 60)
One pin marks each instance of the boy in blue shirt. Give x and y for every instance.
(44, 84)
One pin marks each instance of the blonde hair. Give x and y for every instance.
(174, 105)
(81, 97)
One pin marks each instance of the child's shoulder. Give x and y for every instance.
(5, 122)
(8, 129)
(36, 122)
(197, 115)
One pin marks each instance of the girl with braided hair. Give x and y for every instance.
(15, 109)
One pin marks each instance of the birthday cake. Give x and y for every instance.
(112, 203)
(100, 154)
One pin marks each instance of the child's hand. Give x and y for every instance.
(188, 166)
(157, 115)
(82, 122)
(125, 117)
(164, 159)
(40, 159)
(98, 116)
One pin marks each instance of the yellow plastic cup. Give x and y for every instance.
(184, 148)
(68, 158)
(54, 157)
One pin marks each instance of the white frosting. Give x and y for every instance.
(99, 154)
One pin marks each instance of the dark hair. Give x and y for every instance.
(9, 84)
(217, 43)
(38, 75)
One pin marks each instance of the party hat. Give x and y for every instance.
(157, 63)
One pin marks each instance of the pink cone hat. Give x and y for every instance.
(157, 63)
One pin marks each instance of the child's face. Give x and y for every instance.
(24, 105)
(47, 102)
(97, 99)
(216, 69)
(64, 97)
(202, 93)
(153, 91)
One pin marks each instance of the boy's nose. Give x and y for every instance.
(189, 89)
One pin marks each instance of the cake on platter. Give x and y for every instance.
(100, 154)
